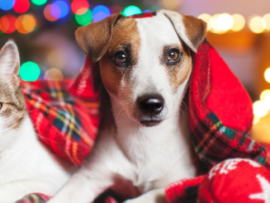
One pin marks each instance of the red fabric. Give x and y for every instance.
(227, 97)
(83, 86)
(66, 124)
(183, 190)
(236, 181)
(214, 140)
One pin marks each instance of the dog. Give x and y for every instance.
(143, 143)
(27, 166)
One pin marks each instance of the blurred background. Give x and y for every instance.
(238, 29)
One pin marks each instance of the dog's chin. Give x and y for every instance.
(150, 123)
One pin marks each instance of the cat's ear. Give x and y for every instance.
(10, 64)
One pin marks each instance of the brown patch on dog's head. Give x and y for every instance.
(190, 29)
(95, 38)
(126, 38)
(195, 29)
(179, 72)
(101, 40)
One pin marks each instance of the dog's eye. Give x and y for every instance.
(1, 105)
(173, 55)
(120, 57)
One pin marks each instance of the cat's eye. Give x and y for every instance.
(1, 105)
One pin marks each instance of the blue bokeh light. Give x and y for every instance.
(100, 12)
(146, 11)
(64, 8)
(56, 11)
(6, 4)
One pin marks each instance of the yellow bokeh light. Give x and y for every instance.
(213, 24)
(53, 74)
(267, 102)
(26, 23)
(256, 119)
(266, 18)
(257, 24)
(267, 75)
(264, 94)
(224, 22)
(206, 18)
(259, 109)
(238, 22)
(29, 23)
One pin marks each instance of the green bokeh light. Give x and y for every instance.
(131, 10)
(153, 8)
(39, 2)
(29, 71)
(85, 18)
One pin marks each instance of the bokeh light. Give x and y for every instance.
(55, 11)
(116, 9)
(267, 75)
(259, 109)
(131, 10)
(256, 119)
(48, 14)
(26, 23)
(257, 24)
(264, 94)
(54, 74)
(153, 8)
(206, 18)
(6, 5)
(224, 22)
(39, 2)
(214, 25)
(238, 22)
(85, 18)
(266, 18)
(79, 6)
(8, 23)
(21, 6)
(29, 71)
(63, 6)
(100, 12)
(267, 101)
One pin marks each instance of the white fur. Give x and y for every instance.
(26, 165)
(138, 158)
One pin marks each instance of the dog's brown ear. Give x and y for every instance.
(190, 29)
(95, 38)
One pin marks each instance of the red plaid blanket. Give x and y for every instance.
(66, 124)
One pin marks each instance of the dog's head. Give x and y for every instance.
(145, 63)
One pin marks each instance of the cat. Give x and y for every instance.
(26, 165)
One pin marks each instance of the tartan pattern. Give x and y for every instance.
(34, 198)
(214, 142)
(66, 124)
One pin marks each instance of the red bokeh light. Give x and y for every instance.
(115, 9)
(48, 13)
(21, 6)
(79, 7)
(8, 23)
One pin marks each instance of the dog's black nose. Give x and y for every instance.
(151, 104)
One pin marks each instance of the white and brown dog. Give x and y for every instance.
(143, 143)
